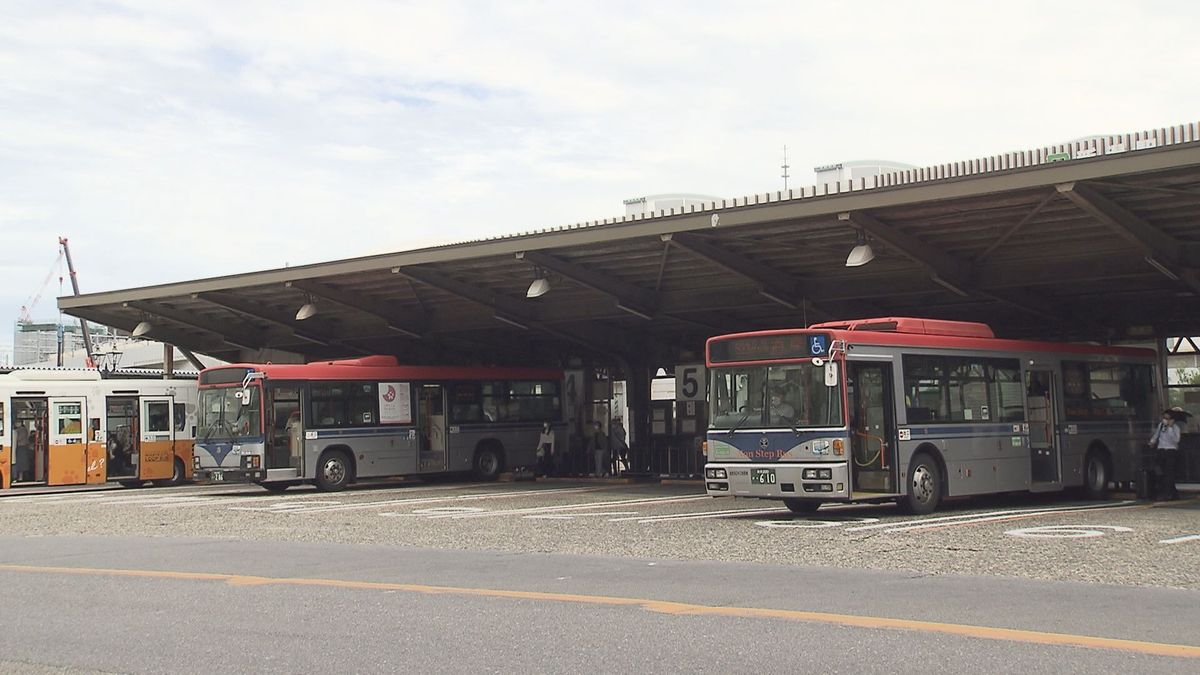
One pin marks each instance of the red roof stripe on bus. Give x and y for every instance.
(905, 324)
(950, 342)
(365, 369)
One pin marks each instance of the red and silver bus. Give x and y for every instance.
(332, 422)
(63, 426)
(918, 410)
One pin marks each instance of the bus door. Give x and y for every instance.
(30, 421)
(872, 427)
(67, 452)
(1040, 390)
(121, 436)
(285, 443)
(5, 473)
(431, 427)
(156, 442)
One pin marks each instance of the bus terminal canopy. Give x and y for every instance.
(1094, 240)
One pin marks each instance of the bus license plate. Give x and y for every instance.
(217, 475)
(762, 476)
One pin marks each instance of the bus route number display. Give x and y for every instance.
(769, 347)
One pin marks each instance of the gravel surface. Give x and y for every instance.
(1123, 545)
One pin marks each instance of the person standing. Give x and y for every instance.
(545, 451)
(618, 446)
(23, 453)
(1166, 441)
(597, 444)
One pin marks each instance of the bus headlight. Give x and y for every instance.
(715, 473)
(817, 474)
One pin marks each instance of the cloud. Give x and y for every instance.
(179, 140)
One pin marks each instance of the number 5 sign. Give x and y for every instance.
(690, 382)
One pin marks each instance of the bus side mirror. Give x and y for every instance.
(831, 374)
(245, 397)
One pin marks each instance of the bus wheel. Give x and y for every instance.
(924, 485)
(487, 463)
(1095, 476)
(333, 472)
(176, 475)
(801, 505)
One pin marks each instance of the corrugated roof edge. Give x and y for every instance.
(1085, 148)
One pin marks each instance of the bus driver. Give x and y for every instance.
(781, 410)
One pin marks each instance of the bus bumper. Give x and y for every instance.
(827, 481)
(229, 475)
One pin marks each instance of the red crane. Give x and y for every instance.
(87, 335)
(26, 315)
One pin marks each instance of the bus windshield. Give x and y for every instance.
(790, 396)
(222, 415)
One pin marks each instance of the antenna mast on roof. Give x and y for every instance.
(785, 168)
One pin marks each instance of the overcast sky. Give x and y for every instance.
(175, 140)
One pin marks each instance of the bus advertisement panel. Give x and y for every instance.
(330, 423)
(916, 410)
(75, 427)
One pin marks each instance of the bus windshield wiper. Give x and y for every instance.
(741, 420)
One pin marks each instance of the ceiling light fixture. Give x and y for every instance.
(862, 253)
(307, 310)
(540, 285)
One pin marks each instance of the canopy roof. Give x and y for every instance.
(1095, 240)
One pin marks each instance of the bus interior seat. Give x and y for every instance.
(917, 415)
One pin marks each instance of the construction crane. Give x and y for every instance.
(26, 315)
(87, 335)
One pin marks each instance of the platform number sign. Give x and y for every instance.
(689, 382)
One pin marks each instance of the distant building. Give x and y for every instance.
(40, 342)
(123, 351)
(681, 202)
(852, 171)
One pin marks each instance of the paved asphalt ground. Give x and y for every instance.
(555, 576)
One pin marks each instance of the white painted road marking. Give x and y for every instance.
(355, 506)
(728, 513)
(1180, 540)
(572, 516)
(1066, 531)
(578, 507)
(971, 518)
(811, 524)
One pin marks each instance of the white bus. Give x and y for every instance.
(331, 422)
(75, 427)
(917, 410)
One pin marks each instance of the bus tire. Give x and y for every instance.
(333, 471)
(802, 505)
(1095, 475)
(176, 475)
(488, 462)
(924, 485)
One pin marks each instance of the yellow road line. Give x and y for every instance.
(660, 606)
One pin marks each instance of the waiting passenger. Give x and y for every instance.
(597, 445)
(619, 448)
(23, 454)
(1166, 441)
